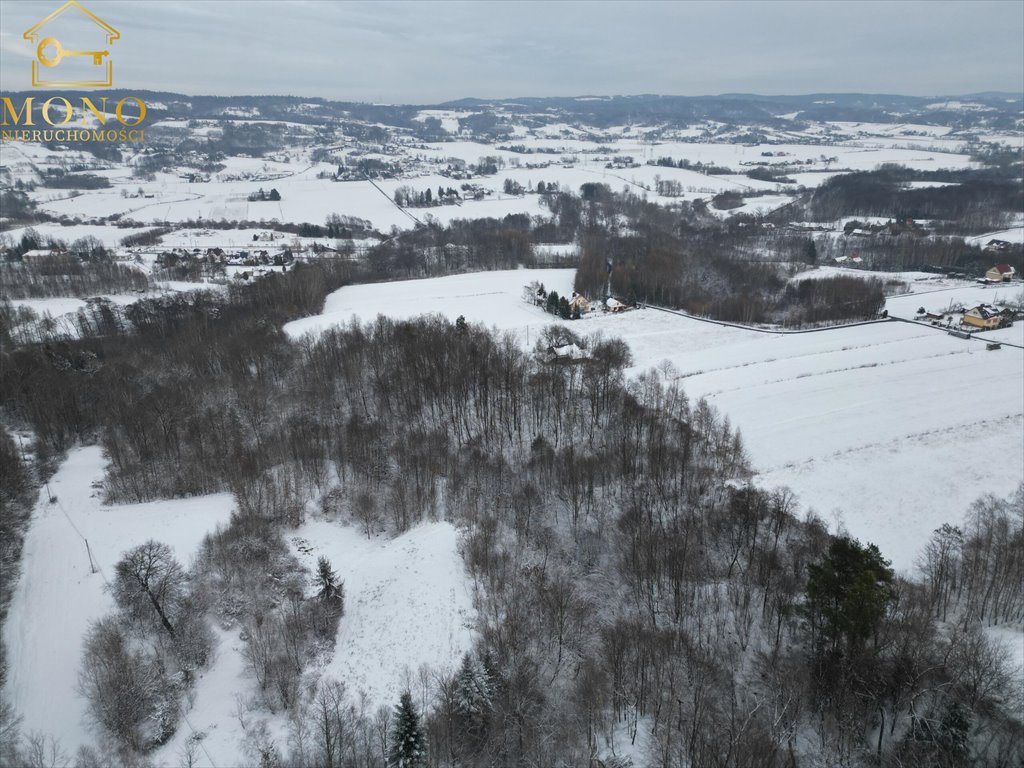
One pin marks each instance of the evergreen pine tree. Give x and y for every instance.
(848, 594)
(564, 310)
(408, 741)
(473, 694)
(327, 580)
(552, 303)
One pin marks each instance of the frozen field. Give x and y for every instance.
(1012, 235)
(492, 298)
(58, 314)
(57, 595)
(110, 236)
(881, 428)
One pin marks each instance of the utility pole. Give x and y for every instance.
(92, 566)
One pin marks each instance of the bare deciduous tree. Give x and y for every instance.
(149, 580)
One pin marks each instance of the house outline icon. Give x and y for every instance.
(34, 34)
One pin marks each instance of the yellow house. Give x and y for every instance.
(983, 316)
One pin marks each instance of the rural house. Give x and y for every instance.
(579, 303)
(566, 353)
(1000, 273)
(983, 316)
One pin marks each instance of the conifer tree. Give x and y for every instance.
(327, 580)
(473, 695)
(564, 310)
(848, 594)
(408, 741)
(552, 303)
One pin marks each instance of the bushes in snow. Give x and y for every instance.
(256, 583)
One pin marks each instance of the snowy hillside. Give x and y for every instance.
(879, 428)
(408, 604)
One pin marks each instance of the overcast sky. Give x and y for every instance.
(420, 52)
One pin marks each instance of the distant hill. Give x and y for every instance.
(991, 110)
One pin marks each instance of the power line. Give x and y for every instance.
(99, 569)
(391, 200)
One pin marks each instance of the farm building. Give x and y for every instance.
(1000, 273)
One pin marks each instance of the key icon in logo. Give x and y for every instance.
(61, 52)
(84, 62)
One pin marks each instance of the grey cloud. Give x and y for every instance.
(428, 52)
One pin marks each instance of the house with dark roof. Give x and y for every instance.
(996, 245)
(984, 317)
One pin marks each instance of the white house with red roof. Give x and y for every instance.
(1000, 273)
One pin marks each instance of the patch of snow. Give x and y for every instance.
(407, 603)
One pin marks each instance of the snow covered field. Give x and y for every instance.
(492, 298)
(407, 603)
(57, 314)
(567, 161)
(57, 595)
(880, 428)
(111, 237)
(1012, 235)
